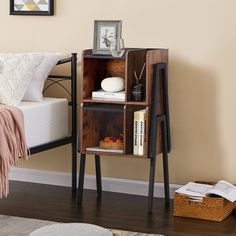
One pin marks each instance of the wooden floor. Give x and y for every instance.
(113, 210)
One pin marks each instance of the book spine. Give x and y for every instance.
(135, 134)
(141, 133)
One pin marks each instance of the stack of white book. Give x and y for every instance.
(139, 131)
(101, 94)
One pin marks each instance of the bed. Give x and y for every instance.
(50, 128)
(46, 120)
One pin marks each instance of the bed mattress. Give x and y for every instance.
(45, 121)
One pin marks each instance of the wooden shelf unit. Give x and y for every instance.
(101, 118)
(96, 68)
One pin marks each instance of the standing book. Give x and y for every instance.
(135, 133)
(139, 132)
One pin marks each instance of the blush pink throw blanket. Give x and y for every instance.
(12, 143)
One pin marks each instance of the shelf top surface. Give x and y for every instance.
(105, 107)
(90, 100)
(115, 154)
(88, 53)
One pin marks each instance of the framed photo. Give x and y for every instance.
(32, 7)
(104, 32)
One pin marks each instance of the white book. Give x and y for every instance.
(139, 127)
(109, 95)
(142, 121)
(197, 191)
(98, 149)
(135, 134)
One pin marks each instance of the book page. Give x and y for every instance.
(194, 189)
(223, 189)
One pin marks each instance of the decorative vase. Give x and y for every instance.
(137, 92)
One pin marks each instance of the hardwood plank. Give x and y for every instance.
(113, 210)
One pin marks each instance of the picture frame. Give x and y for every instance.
(104, 32)
(32, 7)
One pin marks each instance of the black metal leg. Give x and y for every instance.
(159, 74)
(151, 184)
(81, 178)
(74, 119)
(165, 162)
(152, 156)
(74, 168)
(166, 106)
(152, 151)
(98, 175)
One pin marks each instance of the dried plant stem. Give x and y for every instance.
(141, 74)
(136, 77)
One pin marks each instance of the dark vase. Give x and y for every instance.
(137, 92)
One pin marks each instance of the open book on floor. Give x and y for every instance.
(197, 191)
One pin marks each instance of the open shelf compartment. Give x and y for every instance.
(98, 67)
(110, 120)
(100, 121)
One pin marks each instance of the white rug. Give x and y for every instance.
(18, 226)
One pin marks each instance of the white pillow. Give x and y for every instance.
(16, 72)
(34, 92)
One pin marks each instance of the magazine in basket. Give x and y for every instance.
(197, 191)
(206, 202)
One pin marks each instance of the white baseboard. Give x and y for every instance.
(108, 184)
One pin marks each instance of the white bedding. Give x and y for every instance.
(45, 121)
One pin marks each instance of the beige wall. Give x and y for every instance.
(201, 39)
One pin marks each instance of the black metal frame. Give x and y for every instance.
(82, 173)
(33, 13)
(159, 78)
(73, 103)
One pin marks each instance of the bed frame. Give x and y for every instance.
(57, 79)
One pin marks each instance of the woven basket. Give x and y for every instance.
(214, 209)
